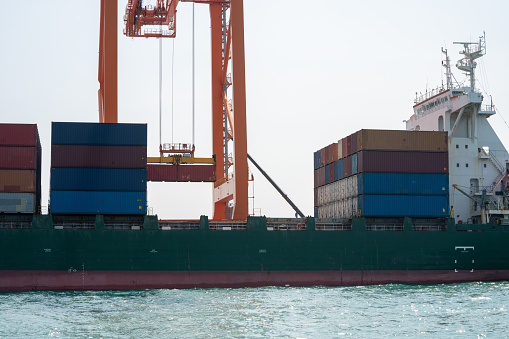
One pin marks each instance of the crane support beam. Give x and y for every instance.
(108, 62)
(240, 211)
(297, 210)
(217, 102)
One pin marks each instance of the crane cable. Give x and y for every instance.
(193, 74)
(160, 88)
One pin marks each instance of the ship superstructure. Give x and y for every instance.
(477, 158)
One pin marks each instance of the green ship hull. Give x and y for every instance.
(256, 252)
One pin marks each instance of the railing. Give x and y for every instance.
(333, 227)
(333, 224)
(122, 226)
(286, 224)
(15, 224)
(431, 228)
(179, 225)
(429, 94)
(384, 227)
(177, 148)
(227, 225)
(74, 225)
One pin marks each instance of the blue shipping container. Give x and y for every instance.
(431, 206)
(98, 179)
(316, 158)
(354, 163)
(316, 212)
(86, 202)
(17, 203)
(338, 170)
(82, 133)
(403, 183)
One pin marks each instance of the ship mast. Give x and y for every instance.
(471, 51)
(448, 72)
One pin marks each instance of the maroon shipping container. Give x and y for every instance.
(321, 176)
(331, 173)
(315, 178)
(347, 166)
(402, 162)
(348, 145)
(315, 197)
(18, 157)
(197, 173)
(156, 172)
(327, 155)
(344, 147)
(354, 143)
(322, 157)
(92, 156)
(18, 135)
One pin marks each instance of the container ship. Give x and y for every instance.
(423, 205)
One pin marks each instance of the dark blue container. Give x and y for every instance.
(432, 206)
(82, 133)
(403, 183)
(338, 170)
(87, 202)
(98, 179)
(316, 212)
(316, 158)
(354, 163)
(327, 175)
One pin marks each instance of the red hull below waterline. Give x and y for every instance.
(127, 280)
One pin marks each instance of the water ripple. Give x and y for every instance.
(458, 310)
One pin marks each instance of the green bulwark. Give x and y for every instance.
(252, 247)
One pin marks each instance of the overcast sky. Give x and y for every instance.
(315, 72)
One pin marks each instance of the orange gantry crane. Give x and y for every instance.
(227, 45)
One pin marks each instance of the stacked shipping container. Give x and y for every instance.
(381, 173)
(98, 168)
(20, 168)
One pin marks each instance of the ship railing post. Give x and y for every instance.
(256, 223)
(99, 222)
(204, 223)
(407, 224)
(310, 224)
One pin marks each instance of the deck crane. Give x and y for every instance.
(228, 121)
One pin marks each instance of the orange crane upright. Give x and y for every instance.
(228, 123)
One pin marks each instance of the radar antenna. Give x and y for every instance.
(471, 51)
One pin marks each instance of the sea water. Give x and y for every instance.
(456, 310)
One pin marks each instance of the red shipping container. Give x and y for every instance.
(335, 152)
(322, 157)
(93, 156)
(402, 162)
(315, 197)
(156, 172)
(327, 155)
(196, 173)
(347, 166)
(18, 135)
(18, 157)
